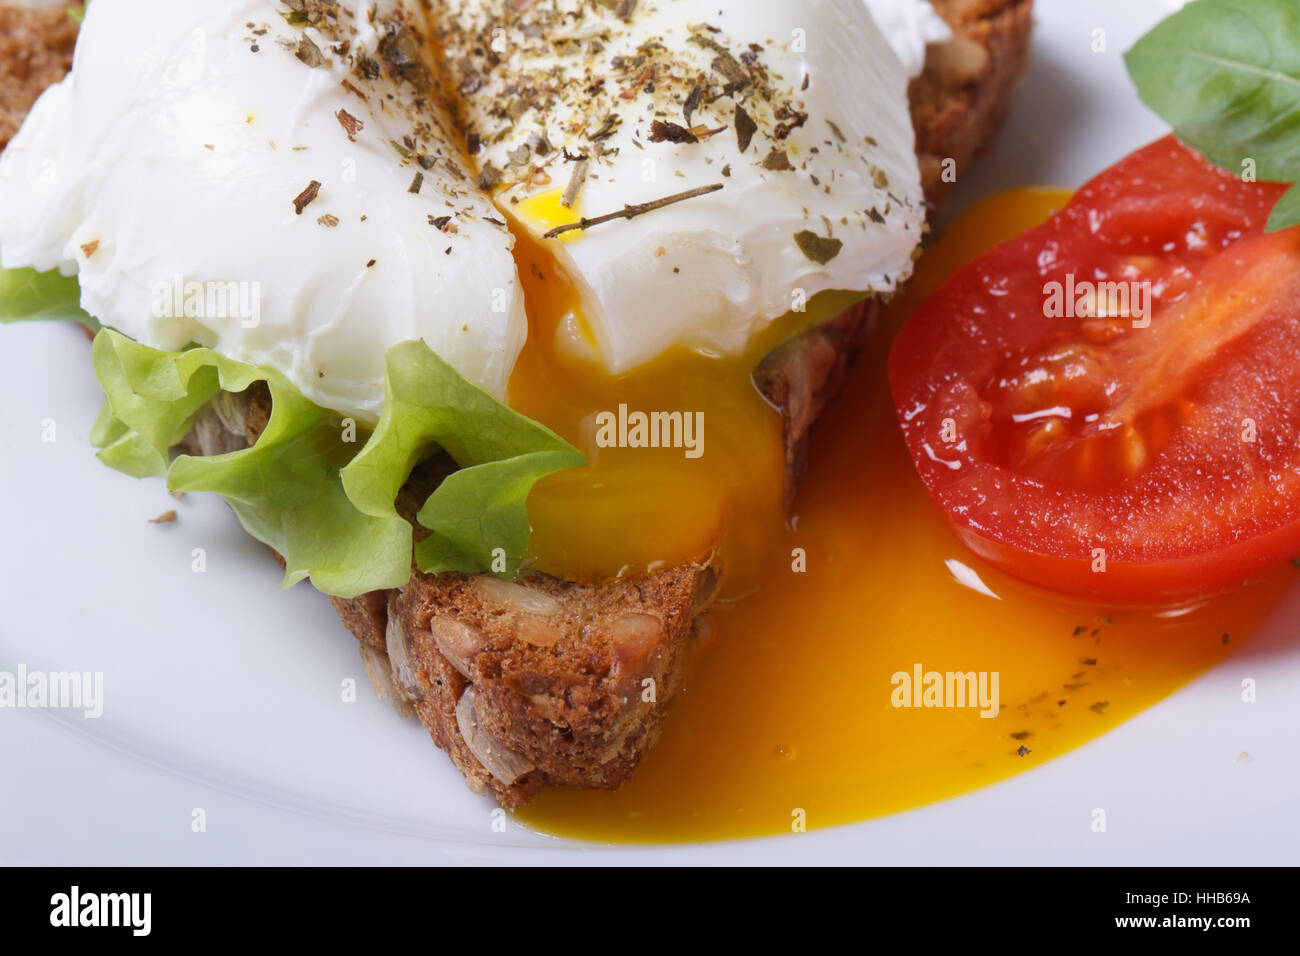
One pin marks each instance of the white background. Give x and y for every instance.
(223, 693)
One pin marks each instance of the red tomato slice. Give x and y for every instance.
(1102, 447)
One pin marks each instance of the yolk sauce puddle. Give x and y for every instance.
(789, 704)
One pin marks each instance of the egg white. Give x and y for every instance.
(828, 96)
(174, 152)
(171, 156)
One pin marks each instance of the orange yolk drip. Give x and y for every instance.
(789, 713)
(633, 510)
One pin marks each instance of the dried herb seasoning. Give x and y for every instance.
(306, 197)
(633, 210)
(351, 125)
(820, 249)
(666, 132)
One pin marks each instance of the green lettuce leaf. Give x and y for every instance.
(27, 295)
(477, 515)
(285, 489)
(304, 487)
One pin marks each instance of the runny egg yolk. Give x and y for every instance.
(789, 715)
(636, 509)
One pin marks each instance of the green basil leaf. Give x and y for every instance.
(1287, 211)
(1225, 74)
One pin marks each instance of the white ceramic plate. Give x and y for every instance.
(222, 694)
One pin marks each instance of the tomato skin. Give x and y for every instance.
(1057, 445)
(1138, 583)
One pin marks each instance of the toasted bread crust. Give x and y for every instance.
(805, 374)
(964, 93)
(35, 52)
(575, 695)
(569, 678)
(365, 616)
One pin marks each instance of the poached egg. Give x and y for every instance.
(293, 190)
(172, 171)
